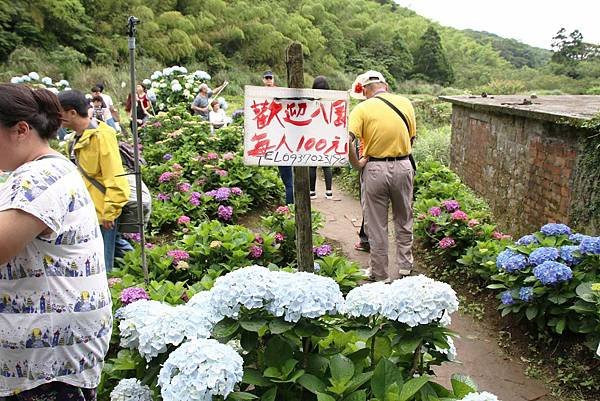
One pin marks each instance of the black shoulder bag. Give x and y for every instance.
(403, 117)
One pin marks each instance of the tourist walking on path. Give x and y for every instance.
(52, 274)
(387, 173)
(285, 172)
(95, 150)
(320, 82)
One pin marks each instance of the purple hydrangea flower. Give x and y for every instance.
(236, 191)
(435, 211)
(255, 252)
(451, 205)
(185, 187)
(221, 194)
(506, 298)
(555, 229)
(167, 156)
(323, 250)
(163, 197)
(195, 198)
(132, 294)
(225, 212)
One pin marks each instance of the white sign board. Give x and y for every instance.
(295, 127)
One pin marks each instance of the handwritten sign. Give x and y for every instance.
(295, 127)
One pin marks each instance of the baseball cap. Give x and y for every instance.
(268, 73)
(369, 77)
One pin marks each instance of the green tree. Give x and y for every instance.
(430, 59)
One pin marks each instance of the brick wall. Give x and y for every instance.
(522, 166)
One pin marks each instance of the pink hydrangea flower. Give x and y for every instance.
(156, 124)
(222, 173)
(166, 177)
(255, 252)
(183, 220)
(212, 156)
(228, 156)
(185, 187)
(258, 239)
(177, 167)
(279, 237)
(114, 281)
(473, 223)
(236, 191)
(178, 255)
(500, 236)
(435, 211)
(225, 212)
(150, 245)
(459, 215)
(282, 210)
(163, 197)
(446, 242)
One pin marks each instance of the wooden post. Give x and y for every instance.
(304, 252)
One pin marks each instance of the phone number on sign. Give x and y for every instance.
(292, 159)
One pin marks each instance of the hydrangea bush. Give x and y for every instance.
(175, 85)
(33, 79)
(543, 277)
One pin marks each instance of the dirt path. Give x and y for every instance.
(477, 349)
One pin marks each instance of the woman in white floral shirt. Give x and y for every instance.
(55, 306)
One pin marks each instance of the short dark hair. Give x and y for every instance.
(320, 82)
(37, 107)
(97, 99)
(74, 100)
(100, 86)
(96, 89)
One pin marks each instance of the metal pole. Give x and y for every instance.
(131, 23)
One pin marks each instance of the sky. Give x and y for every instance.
(534, 22)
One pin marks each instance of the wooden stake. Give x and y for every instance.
(304, 245)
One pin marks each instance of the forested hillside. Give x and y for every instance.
(240, 37)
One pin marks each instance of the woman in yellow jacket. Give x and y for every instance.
(95, 150)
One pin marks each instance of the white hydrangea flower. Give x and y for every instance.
(202, 75)
(34, 75)
(167, 71)
(161, 106)
(163, 85)
(62, 82)
(365, 300)
(199, 370)
(155, 84)
(47, 81)
(303, 294)
(418, 300)
(147, 82)
(183, 70)
(25, 78)
(250, 287)
(483, 396)
(200, 316)
(137, 323)
(450, 352)
(187, 93)
(15, 80)
(130, 390)
(188, 85)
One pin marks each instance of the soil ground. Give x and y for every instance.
(479, 354)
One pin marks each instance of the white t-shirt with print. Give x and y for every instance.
(55, 304)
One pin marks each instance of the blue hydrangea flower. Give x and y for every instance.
(566, 254)
(526, 294)
(543, 254)
(130, 390)
(419, 300)
(483, 396)
(577, 238)
(503, 257)
(506, 298)
(555, 229)
(590, 246)
(515, 263)
(551, 273)
(527, 240)
(199, 370)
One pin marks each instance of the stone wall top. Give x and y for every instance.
(547, 108)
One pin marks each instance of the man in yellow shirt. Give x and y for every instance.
(387, 173)
(95, 150)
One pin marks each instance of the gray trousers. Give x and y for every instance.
(385, 181)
